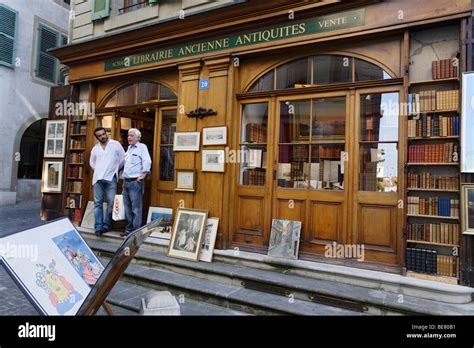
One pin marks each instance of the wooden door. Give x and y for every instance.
(310, 180)
(379, 146)
(253, 173)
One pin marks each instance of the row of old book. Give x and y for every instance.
(78, 128)
(428, 261)
(433, 126)
(74, 201)
(253, 177)
(444, 69)
(370, 126)
(433, 100)
(427, 180)
(443, 233)
(433, 206)
(74, 172)
(74, 215)
(255, 133)
(75, 186)
(76, 158)
(77, 144)
(432, 153)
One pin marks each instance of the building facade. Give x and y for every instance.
(325, 106)
(27, 73)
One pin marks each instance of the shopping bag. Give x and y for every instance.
(119, 209)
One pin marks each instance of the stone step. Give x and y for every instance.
(373, 301)
(224, 295)
(125, 299)
(374, 280)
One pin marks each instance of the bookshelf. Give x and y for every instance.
(75, 168)
(432, 230)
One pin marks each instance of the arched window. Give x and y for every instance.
(142, 92)
(31, 151)
(319, 70)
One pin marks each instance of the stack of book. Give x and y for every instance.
(75, 186)
(448, 265)
(325, 152)
(433, 206)
(74, 215)
(297, 171)
(443, 233)
(427, 180)
(432, 153)
(447, 100)
(433, 126)
(74, 172)
(368, 177)
(370, 126)
(299, 153)
(76, 158)
(256, 133)
(443, 69)
(74, 201)
(254, 177)
(77, 128)
(77, 144)
(421, 260)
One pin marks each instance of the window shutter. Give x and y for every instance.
(46, 64)
(8, 24)
(63, 40)
(152, 1)
(100, 9)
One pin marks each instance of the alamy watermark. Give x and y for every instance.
(19, 251)
(345, 251)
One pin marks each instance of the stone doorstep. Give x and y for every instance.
(379, 301)
(398, 284)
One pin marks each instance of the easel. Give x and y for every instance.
(107, 309)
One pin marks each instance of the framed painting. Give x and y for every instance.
(55, 139)
(185, 180)
(467, 213)
(285, 239)
(52, 177)
(165, 221)
(187, 234)
(214, 136)
(209, 240)
(186, 141)
(213, 161)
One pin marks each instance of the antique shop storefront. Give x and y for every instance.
(315, 108)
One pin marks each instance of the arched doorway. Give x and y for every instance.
(326, 147)
(30, 164)
(150, 107)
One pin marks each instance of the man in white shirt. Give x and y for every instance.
(107, 157)
(137, 166)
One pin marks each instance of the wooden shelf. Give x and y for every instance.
(76, 164)
(74, 193)
(432, 112)
(75, 179)
(79, 120)
(432, 243)
(434, 138)
(435, 217)
(77, 149)
(434, 82)
(431, 190)
(433, 164)
(433, 277)
(77, 135)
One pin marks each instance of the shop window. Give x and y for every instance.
(365, 71)
(168, 128)
(318, 70)
(378, 153)
(253, 144)
(142, 92)
(332, 69)
(311, 142)
(292, 74)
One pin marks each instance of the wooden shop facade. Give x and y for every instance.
(318, 99)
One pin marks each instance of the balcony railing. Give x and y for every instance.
(133, 7)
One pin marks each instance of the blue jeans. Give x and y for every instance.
(133, 203)
(104, 189)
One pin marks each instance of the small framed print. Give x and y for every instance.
(467, 202)
(165, 217)
(214, 136)
(209, 240)
(187, 234)
(52, 176)
(213, 161)
(55, 138)
(185, 180)
(186, 141)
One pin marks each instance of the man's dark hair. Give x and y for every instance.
(99, 129)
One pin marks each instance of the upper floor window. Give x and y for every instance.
(47, 66)
(8, 29)
(318, 70)
(142, 92)
(132, 5)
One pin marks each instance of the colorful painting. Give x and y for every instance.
(79, 256)
(165, 217)
(61, 292)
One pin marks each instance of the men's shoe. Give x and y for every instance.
(104, 230)
(98, 233)
(123, 234)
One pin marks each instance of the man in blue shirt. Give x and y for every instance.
(137, 166)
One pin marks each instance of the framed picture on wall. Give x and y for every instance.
(213, 161)
(467, 202)
(52, 177)
(55, 138)
(186, 141)
(209, 240)
(185, 180)
(214, 136)
(188, 231)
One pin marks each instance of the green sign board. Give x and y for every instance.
(289, 30)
